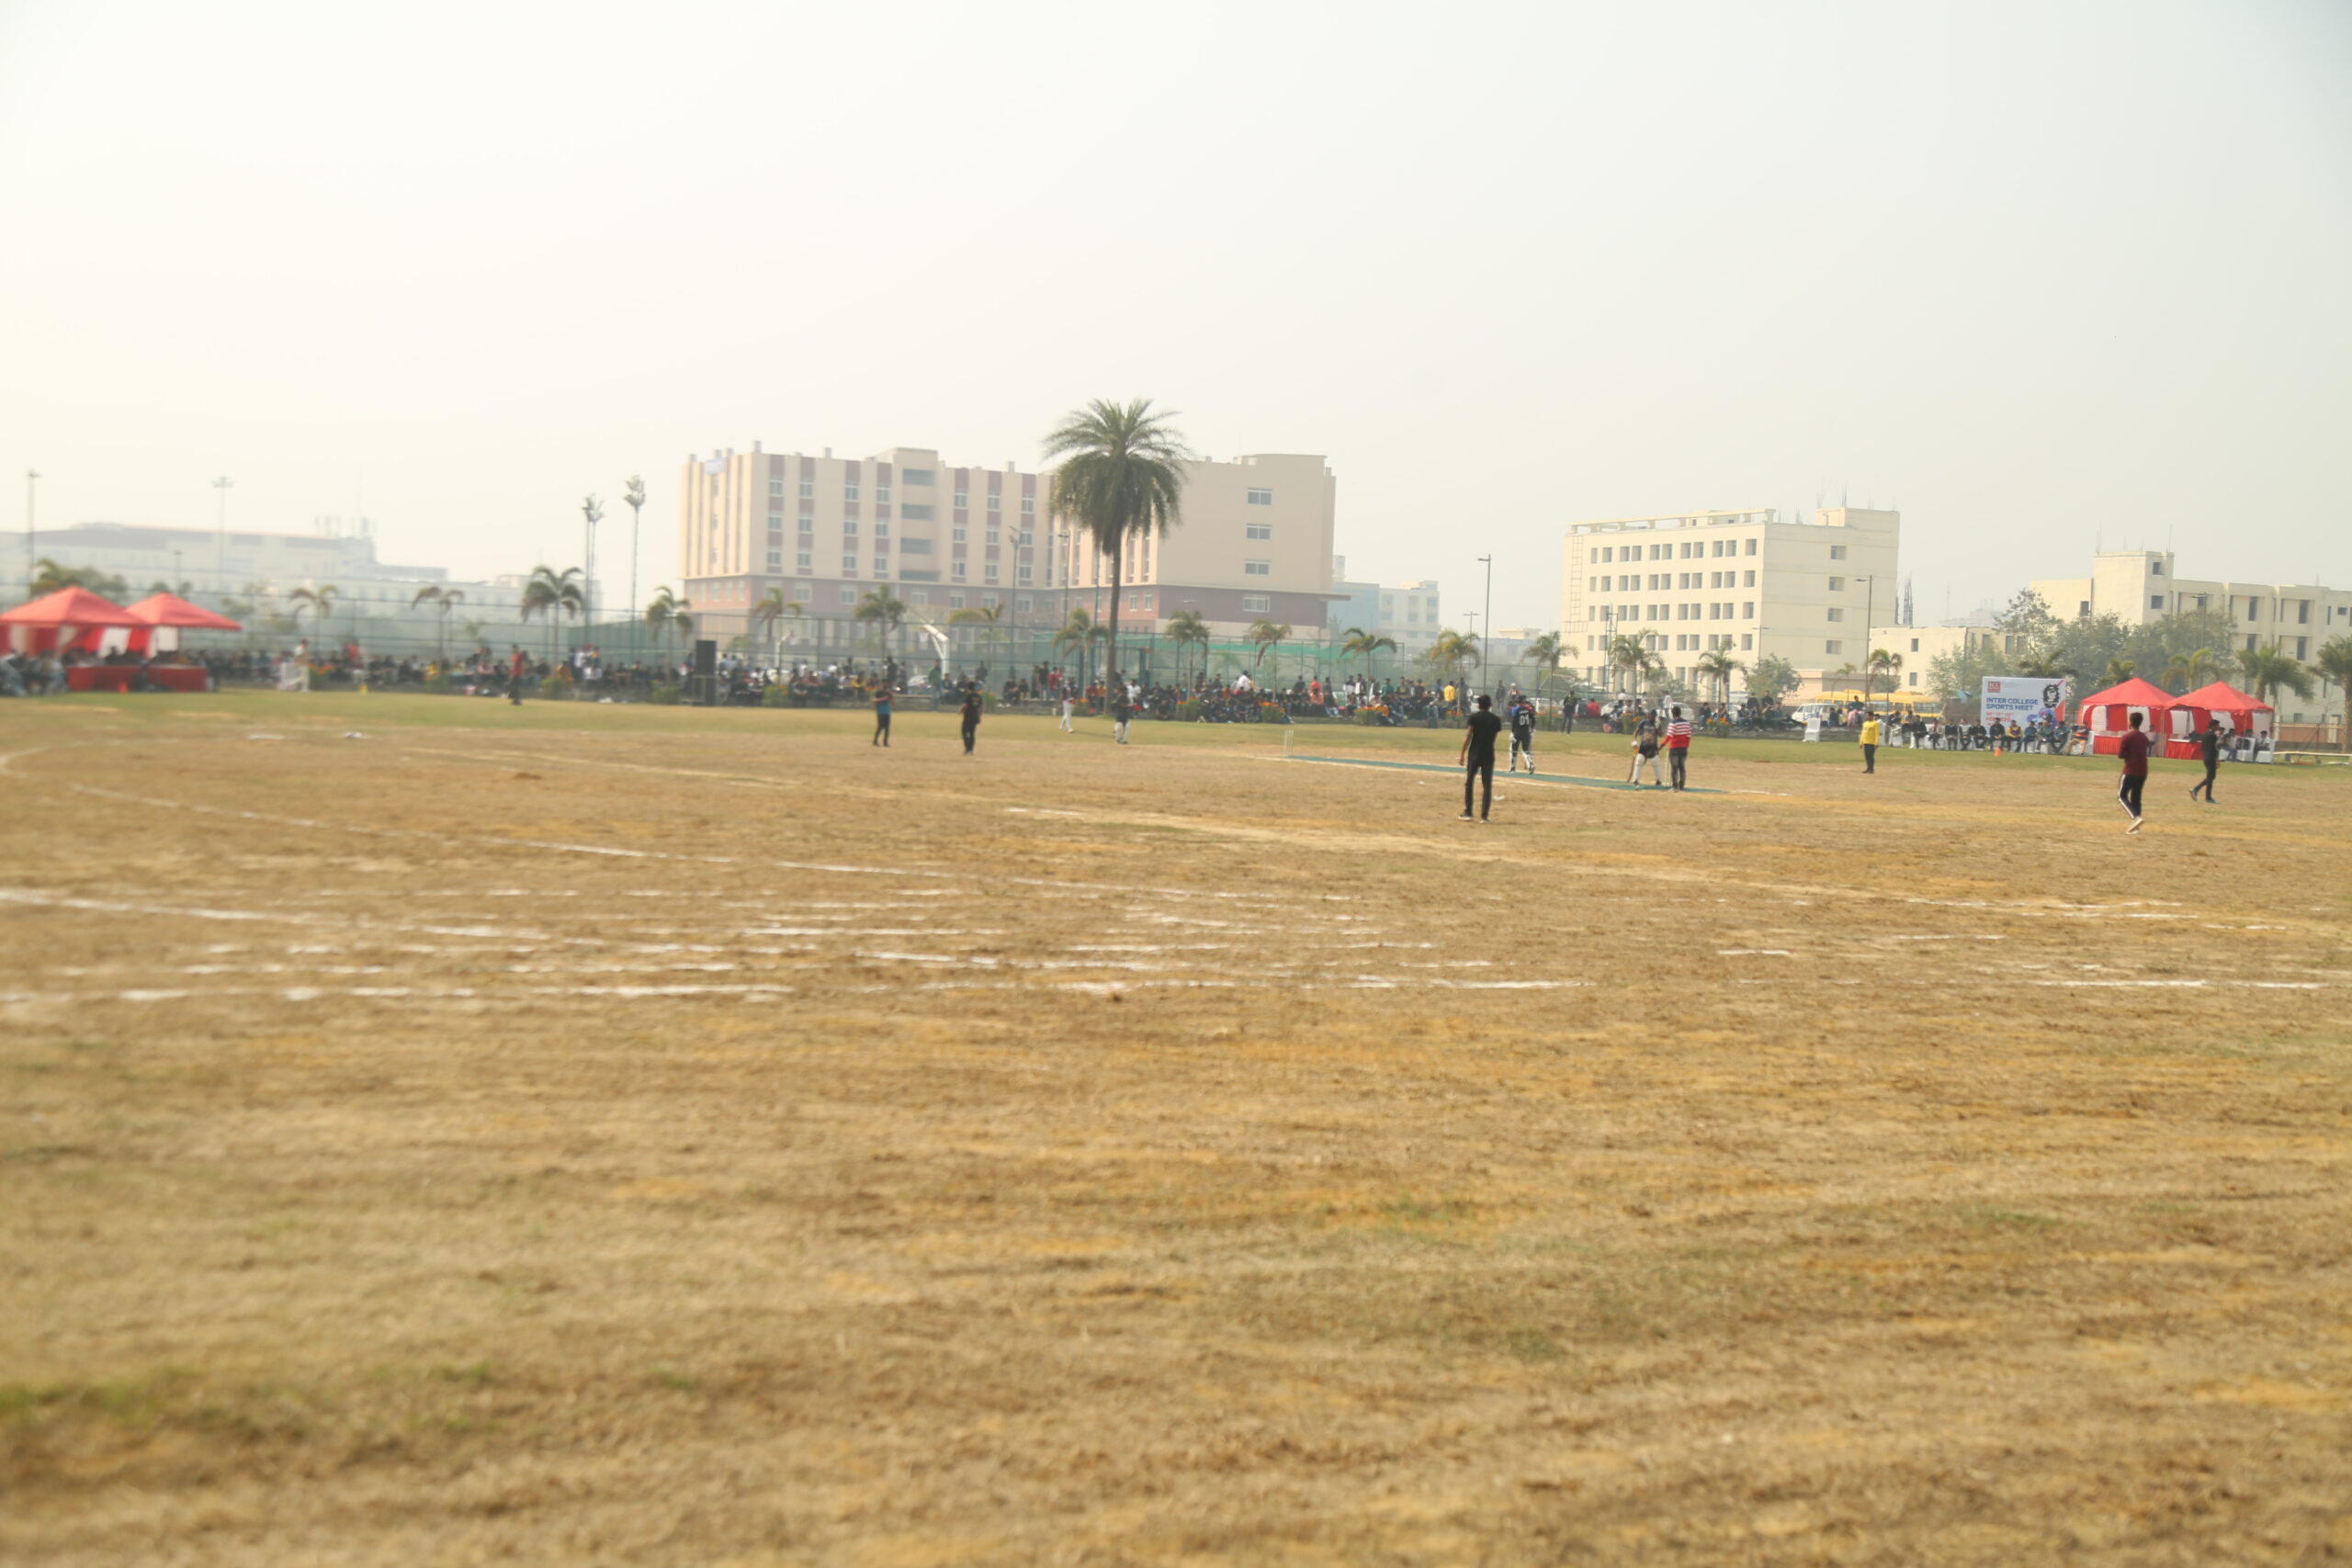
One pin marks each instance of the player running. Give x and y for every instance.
(1523, 733)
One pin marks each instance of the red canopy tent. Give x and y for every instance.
(2247, 716)
(68, 618)
(167, 615)
(2108, 714)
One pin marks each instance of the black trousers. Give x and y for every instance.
(971, 732)
(881, 730)
(2206, 785)
(1870, 759)
(2127, 793)
(1674, 756)
(1481, 770)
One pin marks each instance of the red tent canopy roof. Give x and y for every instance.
(70, 607)
(2226, 698)
(2135, 692)
(171, 610)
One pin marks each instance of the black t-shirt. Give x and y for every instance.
(1484, 728)
(972, 708)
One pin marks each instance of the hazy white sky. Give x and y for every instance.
(2039, 273)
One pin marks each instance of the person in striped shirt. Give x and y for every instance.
(1678, 746)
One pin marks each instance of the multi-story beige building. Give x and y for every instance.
(1254, 542)
(1747, 582)
(2136, 586)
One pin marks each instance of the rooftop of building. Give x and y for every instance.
(1715, 519)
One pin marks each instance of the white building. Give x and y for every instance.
(1746, 582)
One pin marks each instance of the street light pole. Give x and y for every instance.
(222, 486)
(593, 511)
(1870, 587)
(32, 573)
(1489, 618)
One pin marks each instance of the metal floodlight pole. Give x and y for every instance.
(594, 512)
(221, 487)
(1488, 618)
(32, 573)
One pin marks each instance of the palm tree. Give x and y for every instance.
(1629, 657)
(552, 593)
(1881, 663)
(319, 601)
(1081, 634)
(2186, 672)
(1718, 666)
(2335, 662)
(48, 577)
(1187, 627)
(772, 609)
(985, 616)
(1124, 478)
(1451, 651)
(1266, 634)
(1356, 640)
(445, 600)
(664, 613)
(2119, 669)
(1546, 651)
(2266, 669)
(884, 609)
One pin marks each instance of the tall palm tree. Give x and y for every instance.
(1356, 640)
(2335, 663)
(1267, 635)
(2267, 669)
(985, 616)
(552, 593)
(444, 600)
(1187, 627)
(319, 601)
(1122, 478)
(885, 610)
(1546, 651)
(48, 577)
(664, 614)
(1629, 657)
(1883, 661)
(2186, 672)
(1718, 666)
(1081, 633)
(772, 610)
(1451, 651)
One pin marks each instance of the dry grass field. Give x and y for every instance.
(619, 1136)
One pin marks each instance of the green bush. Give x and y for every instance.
(1272, 712)
(666, 692)
(439, 683)
(555, 686)
(777, 695)
(1189, 710)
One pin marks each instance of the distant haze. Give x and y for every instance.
(2037, 274)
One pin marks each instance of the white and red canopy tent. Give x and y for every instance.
(2247, 716)
(68, 618)
(2108, 714)
(165, 616)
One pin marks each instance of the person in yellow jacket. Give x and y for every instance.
(1870, 742)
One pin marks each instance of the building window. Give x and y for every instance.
(1746, 642)
(956, 534)
(1259, 531)
(1915, 644)
(881, 495)
(1029, 503)
(2156, 569)
(1262, 498)
(916, 511)
(1257, 569)
(1024, 573)
(1837, 585)
(1256, 604)
(882, 531)
(1748, 578)
(914, 546)
(1021, 604)
(2156, 601)
(1836, 615)
(992, 571)
(1751, 546)
(776, 487)
(954, 601)
(849, 492)
(849, 528)
(1832, 648)
(1606, 551)
(918, 476)
(963, 499)
(775, 560)
(996, 503)
(957, 571)
(804, 561)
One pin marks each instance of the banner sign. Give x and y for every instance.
(2025, 698)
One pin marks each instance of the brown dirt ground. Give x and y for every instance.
(1164, 1154)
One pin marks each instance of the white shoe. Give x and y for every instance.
(2135, 826)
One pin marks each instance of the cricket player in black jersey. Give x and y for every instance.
(1523, 734)
(1478, 758)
